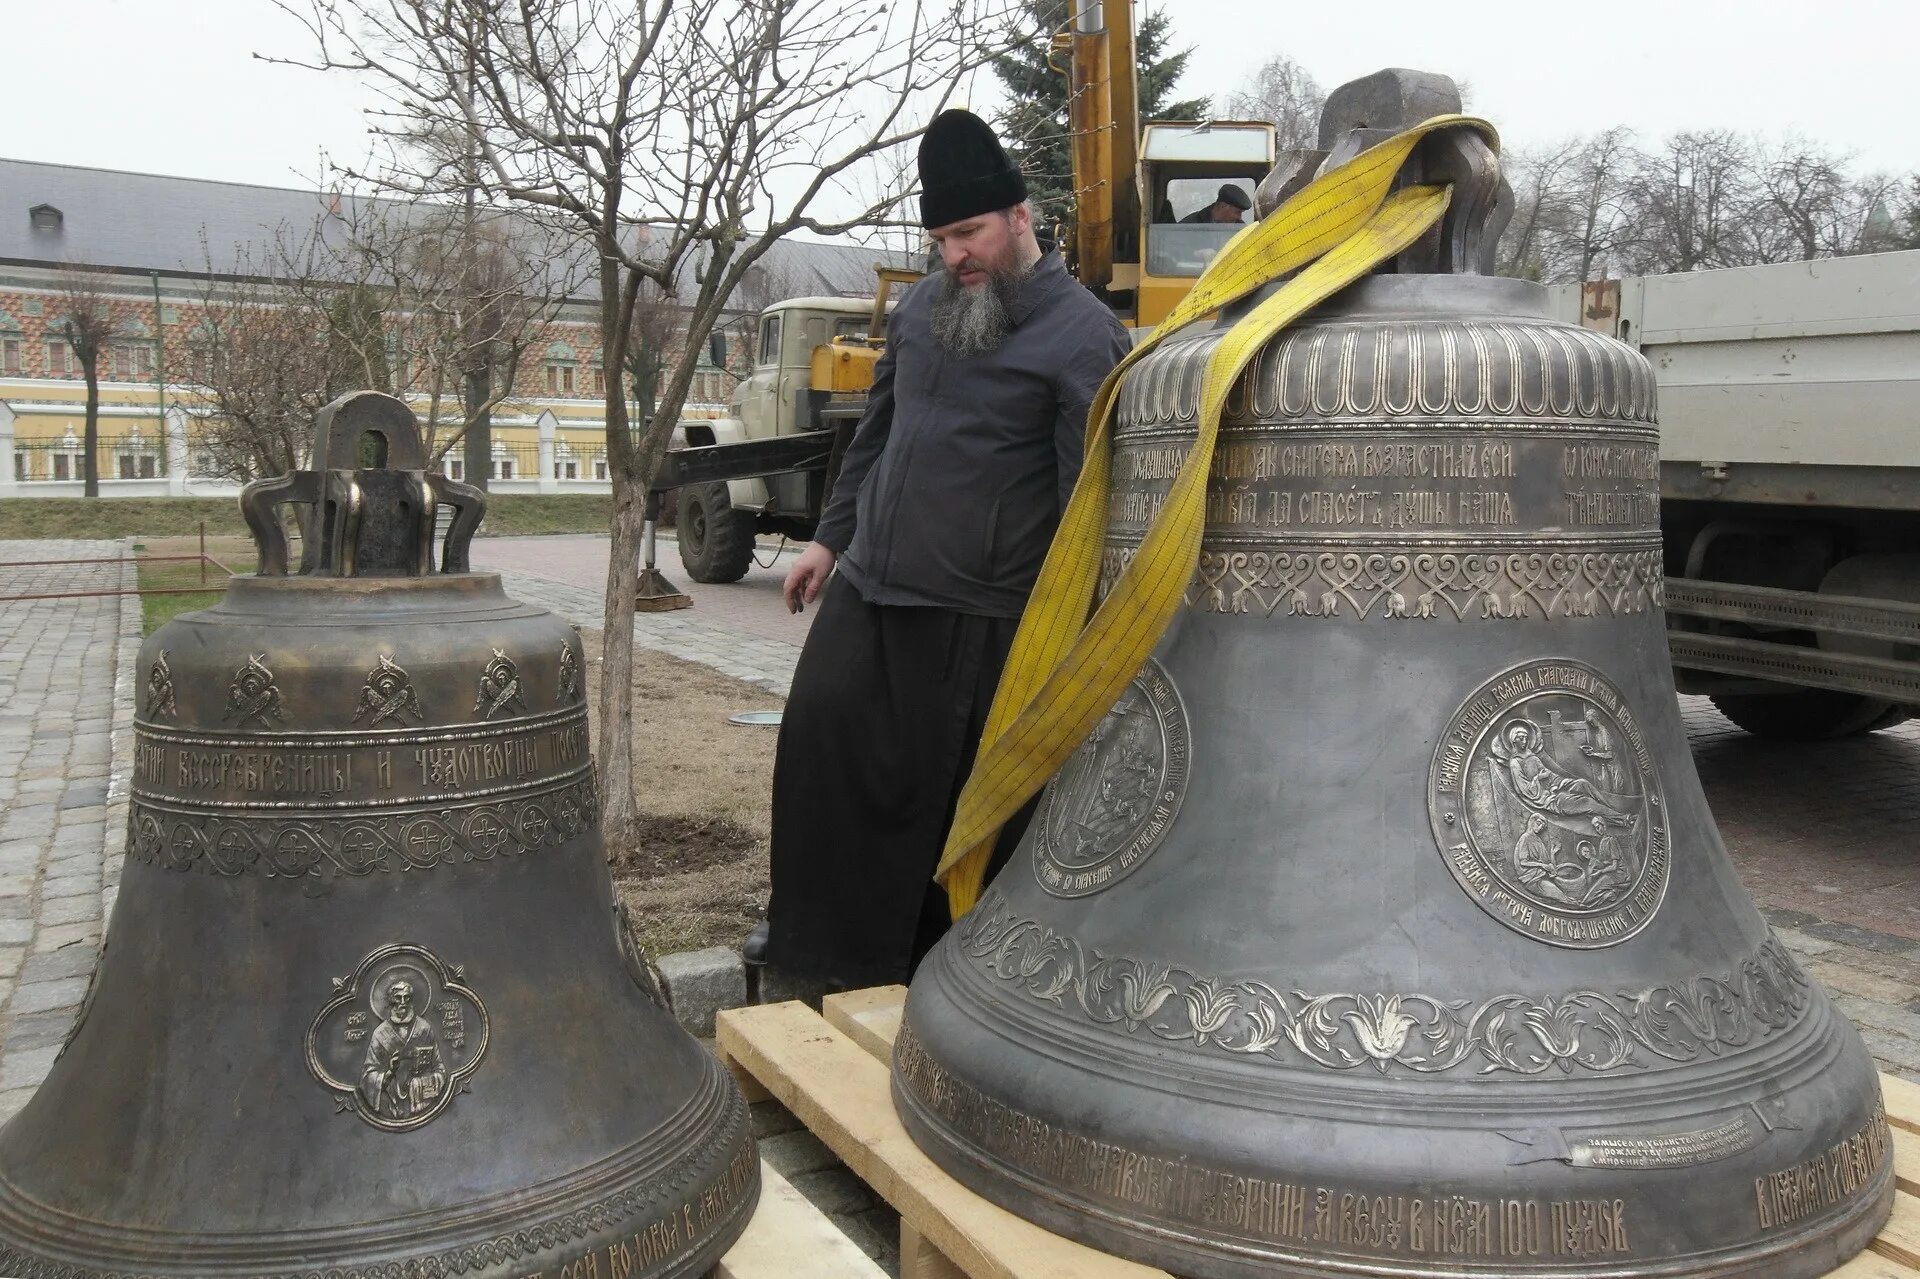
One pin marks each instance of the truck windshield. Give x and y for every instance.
(1196, 216)
(1184, 249)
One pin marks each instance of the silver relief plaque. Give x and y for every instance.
(1547, 806)
(399, 1038)
(1117, 795)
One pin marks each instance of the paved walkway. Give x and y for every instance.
(66, 713)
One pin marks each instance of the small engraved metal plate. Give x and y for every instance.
(499, 688)
(1113, 802)
(399, 1039)
(160, 705)
(1548, 808)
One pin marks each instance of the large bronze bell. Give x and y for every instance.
(366, 1006)
(1382, 927)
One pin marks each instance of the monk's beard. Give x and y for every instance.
(970, 322)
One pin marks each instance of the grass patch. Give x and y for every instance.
(508, 514)
(157, 610)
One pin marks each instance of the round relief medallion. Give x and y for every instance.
(1113, 801)
(1548, 808)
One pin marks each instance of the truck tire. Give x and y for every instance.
(716, 541)
(1809, 714)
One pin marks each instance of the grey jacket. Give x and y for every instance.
(951, 489)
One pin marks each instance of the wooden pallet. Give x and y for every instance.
(831, 1072)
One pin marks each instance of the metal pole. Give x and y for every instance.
(203, 552)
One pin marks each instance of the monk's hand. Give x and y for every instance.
(806, 577)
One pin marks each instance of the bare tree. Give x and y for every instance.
(713, 125)
(262, 360)
(1691, 204)
(1810, 205)
(1281, 91)
(1539, 181)
(87, 328)
(432, 302)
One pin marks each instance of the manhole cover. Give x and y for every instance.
(756, 717)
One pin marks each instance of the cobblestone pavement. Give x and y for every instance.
(742, 629)
(65, 720)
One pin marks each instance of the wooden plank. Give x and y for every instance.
(920, 1259)
(1903, 1102)
(1900, 1240)
(789, 1238)
(1906, 1161)
(1871, 1265)
(840, 1092)
(871, 1018)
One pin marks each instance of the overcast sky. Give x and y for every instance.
(171, 86)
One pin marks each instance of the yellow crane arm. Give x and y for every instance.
(1095, 128)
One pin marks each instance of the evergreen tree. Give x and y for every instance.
(1034, 124)
(1160, 72)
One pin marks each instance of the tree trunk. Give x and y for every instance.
(620, 809)
(477, 445)
(90, 462)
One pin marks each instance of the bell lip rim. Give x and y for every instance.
(985, 1174)
(715, 1112)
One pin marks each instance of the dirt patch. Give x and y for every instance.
(680, 845)
(698, 875)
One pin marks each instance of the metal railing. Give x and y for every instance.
(212, 573)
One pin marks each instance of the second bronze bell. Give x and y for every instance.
(1382, 928)
(366, 1007)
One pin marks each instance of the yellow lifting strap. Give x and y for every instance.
(1065, 670)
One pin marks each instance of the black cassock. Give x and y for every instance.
(880, 730)
(947, 500)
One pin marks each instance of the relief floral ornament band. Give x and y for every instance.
(1585, 1030)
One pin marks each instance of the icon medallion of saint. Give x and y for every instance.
(1548, 808)
(1113, 801)
(399, 1038)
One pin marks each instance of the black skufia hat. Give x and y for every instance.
(964, 171)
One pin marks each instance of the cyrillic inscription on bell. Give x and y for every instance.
(1382, 928)
(367, 1007)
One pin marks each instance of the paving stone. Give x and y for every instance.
(26, 1069)
(69, 910)
(15, 932)
(16, 906)
(770, 1119)
(12, 1099)
(834, 1191)
(39, 996)
(74, 961)
(1803, 945)
(875, 1232)
(699, 983)
(51, 937)
(69, 886)
(39, 1030)
(1864, 938)
(1843, 978)
(794, 1154)
(11, 957)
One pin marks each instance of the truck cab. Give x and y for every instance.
(1185, 169)
(812, 363)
